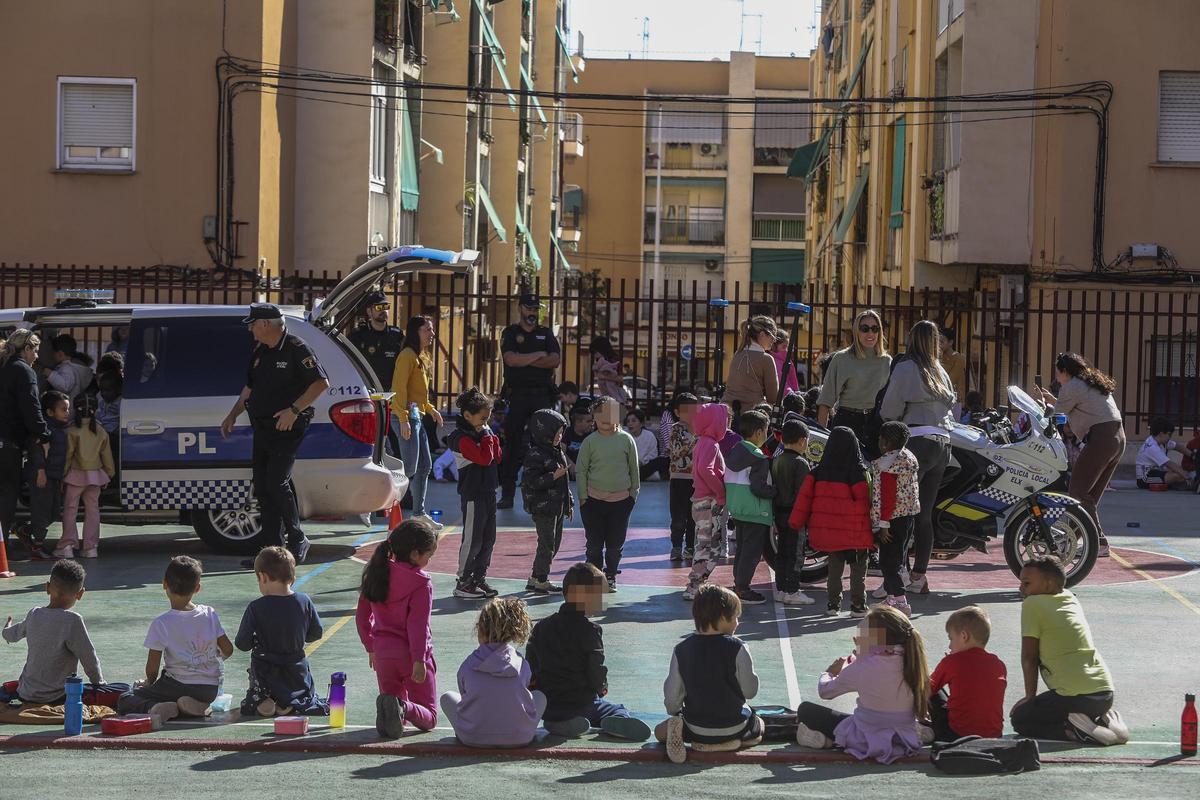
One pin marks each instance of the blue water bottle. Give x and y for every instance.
(73, 710)
(414, 416)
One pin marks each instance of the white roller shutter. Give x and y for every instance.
(97, 114)
(1179, 116)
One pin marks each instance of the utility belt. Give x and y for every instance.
(260, 421)
(853, 412)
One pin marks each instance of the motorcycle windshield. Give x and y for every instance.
(1018, 399)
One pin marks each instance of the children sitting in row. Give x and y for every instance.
(967, 686)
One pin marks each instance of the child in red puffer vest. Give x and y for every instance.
(835, 503)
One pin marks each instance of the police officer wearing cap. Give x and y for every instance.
(531, 356)
(380, 344)
(282, 382)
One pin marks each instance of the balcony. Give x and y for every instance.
(573, 135)
(689, 156)
(948, 11)
(703, 226)
(572, 211)
(778, 228)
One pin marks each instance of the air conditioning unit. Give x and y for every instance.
(709, 149)
(712, 265)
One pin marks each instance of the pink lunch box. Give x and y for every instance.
(291, 725)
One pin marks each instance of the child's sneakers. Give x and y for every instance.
(629, 728)
(571, 728)
(468, 591)
(858, 612)
(797, 598)
(163, 712)
(483, 586)
(688, 553)
(676, 554)
(807, 737)
(676, 749)
(749, 597)
(191, 707)
(542, 586)
(689, 593)
(389, 716)
(612, 584)
(91, 552)
(833, 609)
(64, 551)
(266, 708)
(1089, 730)
(900, 604)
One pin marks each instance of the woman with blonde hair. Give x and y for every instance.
(854, 376)
(920, 394)
(21, 421)
(753, 375)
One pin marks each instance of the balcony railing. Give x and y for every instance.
(388, 23)
(701, 231)
(773, 156)
(573, 128)
(778, 227)
(689, 156)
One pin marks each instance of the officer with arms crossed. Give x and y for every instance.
(531, 355)
(380, 343)
(282, 382)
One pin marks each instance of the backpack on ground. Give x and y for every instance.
(974, 755)
(779, 723)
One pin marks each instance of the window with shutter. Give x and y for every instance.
(97, 125)
(1179, 116)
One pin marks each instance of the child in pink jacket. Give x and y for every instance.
(708, 495)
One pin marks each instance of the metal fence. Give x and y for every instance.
(1145, 336)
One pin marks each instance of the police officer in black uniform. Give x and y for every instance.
(282, 382)
(380, 344)
(531, 355)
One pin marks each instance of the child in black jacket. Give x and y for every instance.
(547, 492)
(46, 470)
(477, 455)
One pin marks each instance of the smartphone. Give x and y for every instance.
(1037, 381)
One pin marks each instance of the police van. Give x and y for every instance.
(184, 367)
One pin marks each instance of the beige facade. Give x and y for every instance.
(325, 160)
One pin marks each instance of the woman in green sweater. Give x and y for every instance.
(606, 480)
(854, 377)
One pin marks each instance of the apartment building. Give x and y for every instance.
(282, 137)
(698, 185)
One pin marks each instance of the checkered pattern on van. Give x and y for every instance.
(157, 495)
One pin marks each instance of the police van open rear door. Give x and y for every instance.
(184, 368)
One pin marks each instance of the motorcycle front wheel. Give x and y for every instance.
(1076, 542)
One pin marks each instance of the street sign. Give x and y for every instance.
(687, 352)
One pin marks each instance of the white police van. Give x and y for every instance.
(184, 367)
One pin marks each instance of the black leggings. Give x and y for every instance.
(821, 719)
(933, 455)
(939, 715)
(1045, 716)
(605, 525)
(683, 527)
(892, 554)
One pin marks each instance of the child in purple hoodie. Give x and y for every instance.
(393, 613)
(494, 706)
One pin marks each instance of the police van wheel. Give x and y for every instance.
(237, 531)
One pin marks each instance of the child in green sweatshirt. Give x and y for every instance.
(606, 477)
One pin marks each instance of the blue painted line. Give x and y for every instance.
(1172, 551)
(359, 542)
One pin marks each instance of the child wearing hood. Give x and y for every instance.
(494, 706)
(546, 489)
(835, 503)
(708, 494)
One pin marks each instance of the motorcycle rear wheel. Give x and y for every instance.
(1076, 539)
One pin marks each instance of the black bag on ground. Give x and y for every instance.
(779, 723)
(974, 755)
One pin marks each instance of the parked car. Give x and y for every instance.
(185, 365)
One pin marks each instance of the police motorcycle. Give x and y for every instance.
(1004, 483)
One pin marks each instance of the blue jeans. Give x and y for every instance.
(418, 461)
(594, 712)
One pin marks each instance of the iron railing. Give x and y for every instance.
(778, 227)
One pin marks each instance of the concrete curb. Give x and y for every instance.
(644, 754)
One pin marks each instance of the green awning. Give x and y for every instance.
(482, 198)
(896, 217)
(409, 187)
(529, 243)
(858, 68)
(562, 42)
(527, 82)
(492, 42)
(562, 256)
(856, 193)
(776, 266)
(806, 159)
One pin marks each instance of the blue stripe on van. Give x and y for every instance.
(191, 446)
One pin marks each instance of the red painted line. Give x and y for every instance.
(645, 754)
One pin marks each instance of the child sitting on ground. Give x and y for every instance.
(189, 644)
(708, 494)
(680, 444)
(711, 678)
(650, 461)
(477, 451)
(57, 640)
(789, 470)
(835, 504)
(894, 508)
(547, 494)
(1154, 464)
(887, 671)
(494, 706)
(394, 606)
(566, 653)
(1056, 640)
(275, 628)
(975, 678)
(749, 492)
(47, 468)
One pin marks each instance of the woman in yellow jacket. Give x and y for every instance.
(410, 382)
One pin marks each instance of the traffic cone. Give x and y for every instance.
(395, 516)
(5, 572)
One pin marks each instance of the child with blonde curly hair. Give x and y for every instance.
(494, 706)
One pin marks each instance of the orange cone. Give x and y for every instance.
(395, 516)
(5, 572)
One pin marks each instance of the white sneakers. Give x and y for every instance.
(881, 592)
(900, 604)
(796, 598)
(1108, 730)
(430, 521)
(815, 740)
(676, 749)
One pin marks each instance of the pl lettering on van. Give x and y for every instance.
(199, 441)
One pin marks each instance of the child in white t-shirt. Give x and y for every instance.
(189, 644)
(1154, 465)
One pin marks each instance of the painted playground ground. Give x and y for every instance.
(1143, 605)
